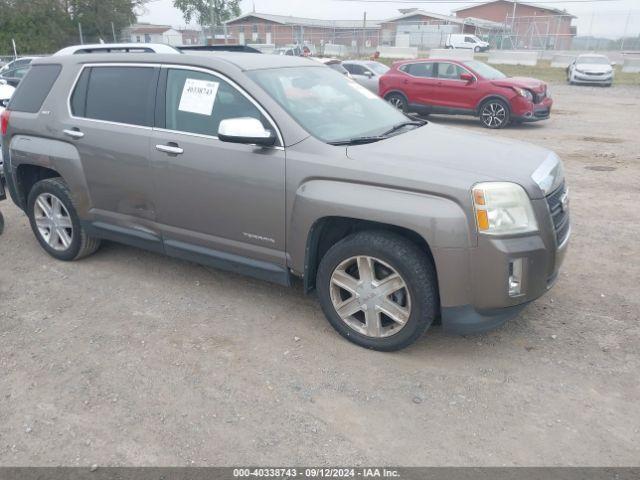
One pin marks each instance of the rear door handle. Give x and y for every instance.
(73, 133)
(171, 149)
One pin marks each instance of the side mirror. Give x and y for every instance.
(245, 130)
(467, 77)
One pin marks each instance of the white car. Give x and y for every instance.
(591, 68)
(6, 91)
(470, 42)
(117, 48)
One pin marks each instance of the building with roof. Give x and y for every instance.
(149, 33)
(415, 27)
(528, 25)
(281, 30)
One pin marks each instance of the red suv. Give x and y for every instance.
(465, 88)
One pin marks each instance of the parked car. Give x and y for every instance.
(366, 73)
(6, 92)
(117, 48)
(14, 71)
(277, 167)
(333, 64)
(465, 88)
(591, 68)
(466, 41)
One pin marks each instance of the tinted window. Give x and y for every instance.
(34, 88)
(119, 94)
(420, 69)
(216, 100)
(355, 69)
(469, 40)
(450, 71)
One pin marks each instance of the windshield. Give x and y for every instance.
(328, 105)
(378, 68)
(594, 60)
(485, 70)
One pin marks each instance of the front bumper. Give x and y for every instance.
(605, 78)
(540, 255)
(525, 111)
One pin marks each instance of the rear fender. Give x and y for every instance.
(62, 157)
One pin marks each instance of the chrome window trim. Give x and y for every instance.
(169, 66)
(108, 122)
(234, 85)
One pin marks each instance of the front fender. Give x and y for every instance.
(440, 221)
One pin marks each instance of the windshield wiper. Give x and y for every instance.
(358, 140)
(395, 128)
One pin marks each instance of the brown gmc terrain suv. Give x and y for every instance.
(275, 167)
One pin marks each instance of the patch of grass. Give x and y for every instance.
(544, 72)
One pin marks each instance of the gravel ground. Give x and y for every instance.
(132, 358)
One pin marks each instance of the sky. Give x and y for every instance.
(600, 17)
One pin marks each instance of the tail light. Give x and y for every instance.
(4, 121)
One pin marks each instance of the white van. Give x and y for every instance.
(459, 40)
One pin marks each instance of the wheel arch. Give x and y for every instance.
(327, 231)
(32, 159)
(493, 96)
(396, 91)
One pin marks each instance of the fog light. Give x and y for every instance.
(515, 277)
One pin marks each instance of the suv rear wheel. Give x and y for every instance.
(378, 290)
(494, 113)
(55, 222)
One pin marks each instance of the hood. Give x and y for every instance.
(533, 84)
(433, 157)
(594, 67)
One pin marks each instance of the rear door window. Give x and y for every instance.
(116, 94)
(34, 88)
(424, 69)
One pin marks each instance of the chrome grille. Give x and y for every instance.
(558, 207)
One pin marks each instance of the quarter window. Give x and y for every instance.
(196, 102)
(116, 94)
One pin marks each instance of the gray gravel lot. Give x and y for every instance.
(132, 358)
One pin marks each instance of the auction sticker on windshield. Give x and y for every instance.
(198, 96)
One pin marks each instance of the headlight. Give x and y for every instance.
(523, 92)
(549, 175)
(503, 208)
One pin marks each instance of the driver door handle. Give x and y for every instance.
(73, 133)
(172, 149)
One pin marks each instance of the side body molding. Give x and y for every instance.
(441, 222)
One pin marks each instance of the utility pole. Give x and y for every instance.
(15, 51)
(212, 21)
(626, 25)
(113, 30)
(364, 32)
(80, 32)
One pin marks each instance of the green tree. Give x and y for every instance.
(44, 26)
(208, 12)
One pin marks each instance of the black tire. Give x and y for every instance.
(399, 101)
(1, 223)
(477, 49)
(81, 244)
(493, 105)
(413, 265)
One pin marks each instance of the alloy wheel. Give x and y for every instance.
(493, 114)
(53, 221)
(370, 296)
(397, 102)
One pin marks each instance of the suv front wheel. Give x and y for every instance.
(378, 290)
(495, 113)
(55, 222)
